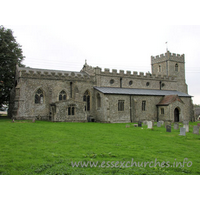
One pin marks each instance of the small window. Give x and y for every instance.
(176, 67)
(39, 98)
(163, 84)
(112, 81)
(130, 82)
(143, 105)
(120, 105)
(147, 84)
(62, 95)
(162, 111)
(71, 109)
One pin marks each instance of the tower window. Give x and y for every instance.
(176, 67)
(39, 98)
(121, 105)
(143, 105)
(162, 111)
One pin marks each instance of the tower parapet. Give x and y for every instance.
(168, 56)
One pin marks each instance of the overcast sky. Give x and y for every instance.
(109, 34)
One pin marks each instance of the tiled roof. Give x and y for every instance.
(140, 92)
(168, 100)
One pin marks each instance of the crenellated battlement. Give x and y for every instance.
(167, 57)
(51, 74)
(135, 74)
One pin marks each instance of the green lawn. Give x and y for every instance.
(50, 148)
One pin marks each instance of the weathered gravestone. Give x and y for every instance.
(158, 124)
(198, 124)
(168, 128)
(196, 130)
(182, 131)
(145, 122)
(127, 126)
(176, 126)
(135, 125)
(186, 126)
(149, 124)
(162, 122)
(139, 124)
(167, 123)
(33, 120)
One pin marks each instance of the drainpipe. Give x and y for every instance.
(130, 109)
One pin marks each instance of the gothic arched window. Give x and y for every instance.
(62, 95)
(98, 100)
(86, 98)
(39, 97)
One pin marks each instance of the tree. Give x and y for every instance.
(10, 56)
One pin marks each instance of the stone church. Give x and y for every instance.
(104, 96)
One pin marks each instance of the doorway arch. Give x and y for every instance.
(176, 115)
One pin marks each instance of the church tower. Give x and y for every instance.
(169, 64)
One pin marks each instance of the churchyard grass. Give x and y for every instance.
(50, 148)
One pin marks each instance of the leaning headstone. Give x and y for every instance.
(176, 126)
(196, 130)
(158, 124)
(186, 126)
(182, 131)
(139, 124)
(149, 124)
(168, 128)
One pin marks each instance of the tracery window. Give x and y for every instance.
(39, 97)
(62, 95)
(86, 98)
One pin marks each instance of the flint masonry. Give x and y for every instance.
(104, 96)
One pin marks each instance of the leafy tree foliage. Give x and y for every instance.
(10, 56)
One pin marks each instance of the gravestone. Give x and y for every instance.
(135, 125)
(13, 120)
(158, 124)
(182, 131)
(176, 126)
(139, 124)
(162, 122)
(198, 124)
(167, 123)
(168, 128)
(33, 120)
(127, 126)
(196, 130)
(145, 122)
(186, 126)
(149, 124)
